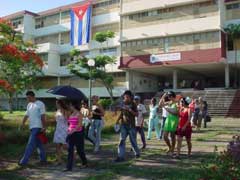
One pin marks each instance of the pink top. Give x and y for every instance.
(73, 123)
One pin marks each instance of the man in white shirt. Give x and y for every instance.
(36, 115)
(140, 120)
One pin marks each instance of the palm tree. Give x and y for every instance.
(233, 32)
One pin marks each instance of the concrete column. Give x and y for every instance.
(175, 79)
(227, 78)
(58, 80)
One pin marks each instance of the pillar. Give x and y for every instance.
(227, 78)
(175, 79)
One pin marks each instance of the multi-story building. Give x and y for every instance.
(171, 44)
(176, 43)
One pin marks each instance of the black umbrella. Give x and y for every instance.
(67, 91)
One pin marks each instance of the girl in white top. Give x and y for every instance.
(60, 134)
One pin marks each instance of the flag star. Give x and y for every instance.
(80, 12)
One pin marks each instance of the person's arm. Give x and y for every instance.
(171, 110)
(24, 121)
(43, 119)
(120, 117)
(162, 101)
(189, 119)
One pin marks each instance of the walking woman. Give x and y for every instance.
(60, 134)
(96, 126)
(171, 122)
(75, 135)
(184, 126)
(153, 119)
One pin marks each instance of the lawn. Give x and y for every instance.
(153, 163)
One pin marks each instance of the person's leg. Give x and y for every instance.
(80, 147)
(162, 127)
(150, 127)
(86, 131)
(71, 142)
(58, 153)
(98, 125)
(133, 140)
(30, 146)
(122, 143)
(166, 139)
(199, 121)
(179, 144)
(173, 139)
(156, 127)
(92, 131)
(141, 131)
(189, 144)
(41, 150)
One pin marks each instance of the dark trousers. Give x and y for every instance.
(76, 139)
(140, 130)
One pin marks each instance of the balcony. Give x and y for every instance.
(141, 5)
(46, 47)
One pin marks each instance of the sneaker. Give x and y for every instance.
(119, 160)
(143, 147)
(137, 156)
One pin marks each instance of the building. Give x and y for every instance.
(160, 44)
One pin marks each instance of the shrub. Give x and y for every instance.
(225, 165)
(106, 103)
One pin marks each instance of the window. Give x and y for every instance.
(17, 22)
(44, 57)
(233, 6)
(65, 59)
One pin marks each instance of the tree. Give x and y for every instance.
(233, 33)
(80, 66)
(19, 63)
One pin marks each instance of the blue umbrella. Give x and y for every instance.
(67, 91)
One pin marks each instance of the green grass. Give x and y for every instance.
(163, 168)
(10, 175)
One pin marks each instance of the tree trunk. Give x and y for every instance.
(10, 103)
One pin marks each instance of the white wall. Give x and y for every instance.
(29, 27)
(173, 28)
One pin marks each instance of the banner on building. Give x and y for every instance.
(81, 24)
(165, 57)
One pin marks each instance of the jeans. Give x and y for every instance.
(33, 142)
(162, 126)
(86, 130)
(140, 130)
(76, 139)
(125, 130)
(153, 123)
(95, 132)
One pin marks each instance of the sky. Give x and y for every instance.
(11, 6)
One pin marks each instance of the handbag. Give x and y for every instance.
(208, 118)
(42, 137)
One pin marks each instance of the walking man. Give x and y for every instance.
(127, 121)
(36, 115)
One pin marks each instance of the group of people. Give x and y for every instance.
(75, 122)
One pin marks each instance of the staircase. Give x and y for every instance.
(224, 103)
(234, 108)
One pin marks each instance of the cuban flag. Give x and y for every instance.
(81, 24)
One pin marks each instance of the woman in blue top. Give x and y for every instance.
(153, 120)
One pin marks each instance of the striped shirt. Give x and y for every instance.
(73, 123)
